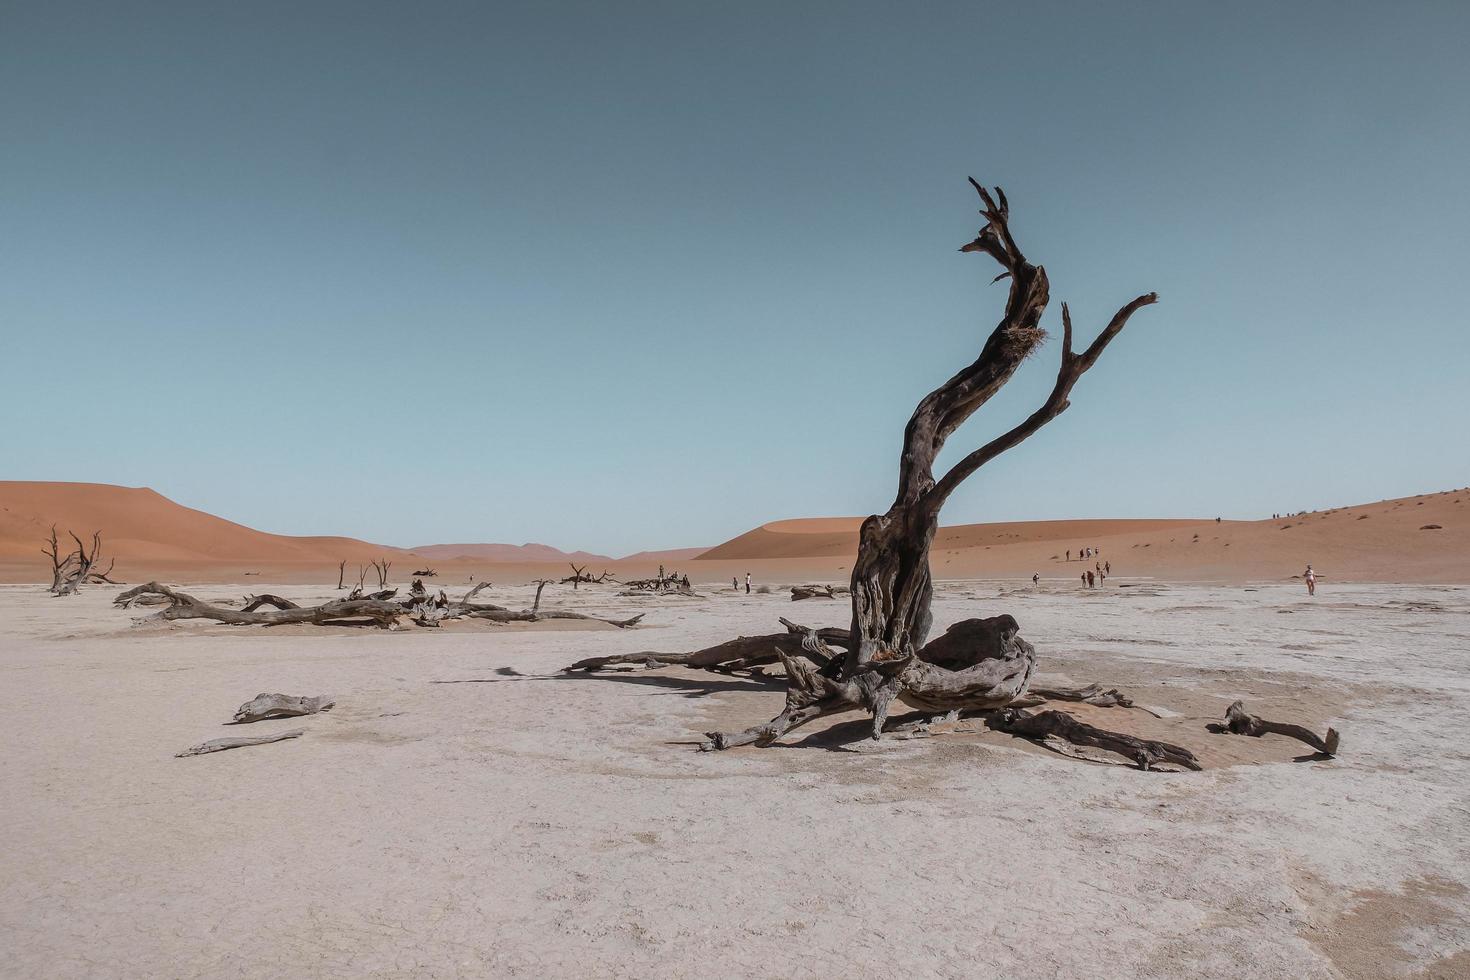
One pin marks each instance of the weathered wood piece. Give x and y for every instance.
(281, 706)
(800, 592)
(184, 606)
(1240, 722)
(741, 653)
(221, 744)
(1092, 694)
(1045, 725)
(254, 602)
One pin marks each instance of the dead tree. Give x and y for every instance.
(425, 573)
(78, 567)
(579, 575)
(356, 592)
(381, 567)
(891, 584)
(341, 572)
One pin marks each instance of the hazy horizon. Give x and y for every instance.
(625, 279)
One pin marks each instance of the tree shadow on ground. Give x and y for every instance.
(689, 687)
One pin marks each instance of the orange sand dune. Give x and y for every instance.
(153, 537)
(1381, 542)
(141, 525)
(825, 537)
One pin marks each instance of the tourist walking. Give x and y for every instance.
(1311, 578)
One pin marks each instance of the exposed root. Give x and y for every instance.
(1239, 722)
(1045, 725)
(741, 653)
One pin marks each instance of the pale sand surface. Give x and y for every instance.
(515, 822)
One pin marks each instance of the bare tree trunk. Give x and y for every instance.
(341, 571)
(891, 584)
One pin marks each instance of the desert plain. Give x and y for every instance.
(469, 808)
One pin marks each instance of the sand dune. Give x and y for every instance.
(1387, 541)
(823, 537)
(142, 525)
(152, 536)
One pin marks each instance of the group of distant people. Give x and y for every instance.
(1097, 573)
(735, 583)
(1100, 569)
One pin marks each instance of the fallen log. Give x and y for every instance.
(1046, 725)
(338, 611)
(281, 706)
(535, 616)
(1240, 722)
(741, 653)
(221, 744)
(254, 602)
(800, 592)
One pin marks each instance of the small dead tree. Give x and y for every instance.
(341, 572)
(381, 567)
(78, 567)
(579, 575)
(356, 592)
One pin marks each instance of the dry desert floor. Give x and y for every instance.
(468, 810)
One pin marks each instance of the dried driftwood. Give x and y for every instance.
(741, 653)
(380, 609)
(338, 611)
(1044, 726)
(1239, 722)
(221, 744)
(281, 706)
(800, 592)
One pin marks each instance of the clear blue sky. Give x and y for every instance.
(626, 275)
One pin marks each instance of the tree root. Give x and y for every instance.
(1046, 725)
(741, 653)
(1239, 722)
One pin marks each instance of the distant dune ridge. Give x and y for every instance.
(1412, 539)
(504, 552)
